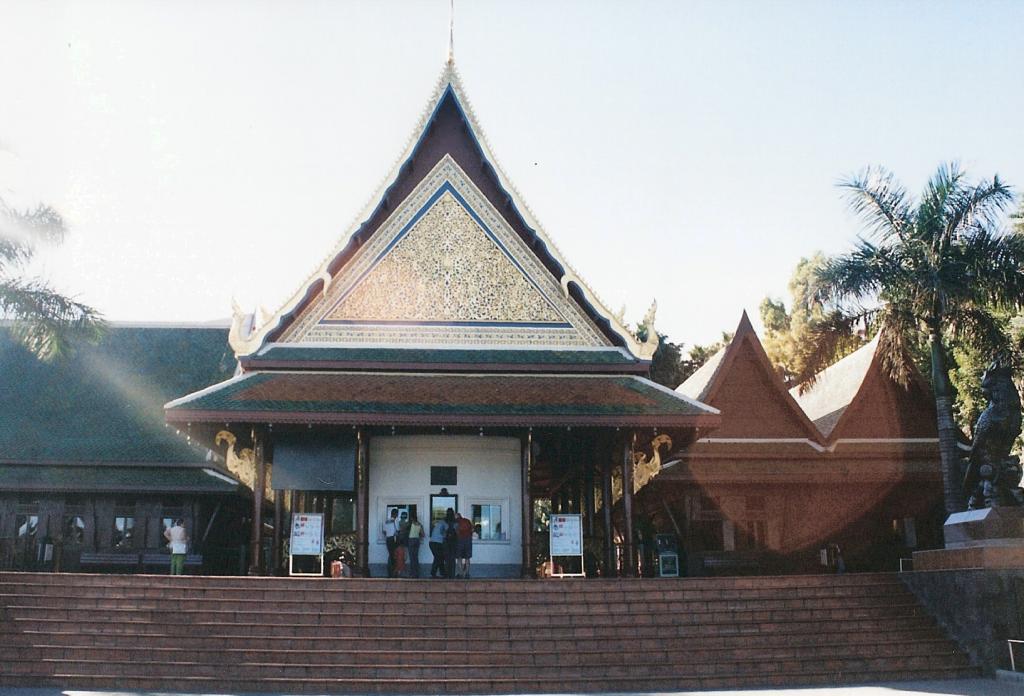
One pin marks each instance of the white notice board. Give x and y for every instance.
(307, 534)
(566, 540)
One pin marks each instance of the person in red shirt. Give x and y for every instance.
(463, 545)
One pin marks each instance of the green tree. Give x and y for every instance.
(44, 320)
(668, 366)
(787, 333)
(929, 270)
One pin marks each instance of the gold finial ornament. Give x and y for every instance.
(451, 31)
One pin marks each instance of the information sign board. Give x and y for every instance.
(566, 535)
(566, 539)
(307, 534)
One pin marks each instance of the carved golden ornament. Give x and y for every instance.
(242, 464)
(644, 468)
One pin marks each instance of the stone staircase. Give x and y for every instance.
(232, 634)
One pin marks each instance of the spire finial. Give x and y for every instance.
(451, 31)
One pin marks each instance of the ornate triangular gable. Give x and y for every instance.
(399, 279)
(445, 268)
(883, 409)
(751, 395)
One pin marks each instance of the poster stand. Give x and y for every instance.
(566, 541)
(307, 540)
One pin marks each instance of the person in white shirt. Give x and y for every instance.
(177, 539)
(391, 539)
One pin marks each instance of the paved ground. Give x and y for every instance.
(963, 687)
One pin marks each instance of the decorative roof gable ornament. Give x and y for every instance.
(650, 344)
(242, 325)
(326, 278)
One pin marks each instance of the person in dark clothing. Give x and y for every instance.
(450, 542)
(437, 534)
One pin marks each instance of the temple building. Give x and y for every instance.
(445, 354)
(90, 475)
(849, 462)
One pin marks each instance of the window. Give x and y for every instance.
(486, 518)
(439, 504)
(751, 535)
(124, 529)
(74, 529)
(343, 514)
(405, 512)
(707, 535)
(26, 525)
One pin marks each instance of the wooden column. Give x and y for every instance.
(255, 534)
(628, 551)
(526, 452)
(588, 495)
(362, 504)
(278, 532)
(606, 499)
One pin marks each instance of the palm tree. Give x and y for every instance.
(936, 269)
(44, 320)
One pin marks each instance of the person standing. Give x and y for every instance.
(415, 536)
(450, 542)
(391, 540)
(402, 545)
(437, 534)
(463, 545)
(177, 540)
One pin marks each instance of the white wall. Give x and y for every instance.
(489, 470)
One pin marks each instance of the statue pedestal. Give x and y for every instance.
(988, 538)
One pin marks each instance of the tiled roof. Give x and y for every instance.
(698, 385)
(442, 399)
(835, 387)
(104, 402)
(106, 478)
(285, 356)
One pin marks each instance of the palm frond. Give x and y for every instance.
(992, 267)
(827, 339)
(896, 327)
(880, 201)
(22, 230)
(860, 275)
(977, 207)
(982, 330)
(45, 321)
(943, 191)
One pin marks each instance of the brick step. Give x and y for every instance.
(642, 669)
(780, 635)
(599, 584)
(668, 628)
(463, 605)
(435, 592)
(61, 635)
(470, 686)
(385, 616)
(497, 656)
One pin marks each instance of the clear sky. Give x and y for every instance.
(686, 151)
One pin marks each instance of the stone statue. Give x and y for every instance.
(993, 476)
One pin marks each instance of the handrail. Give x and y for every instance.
(1009, 644)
